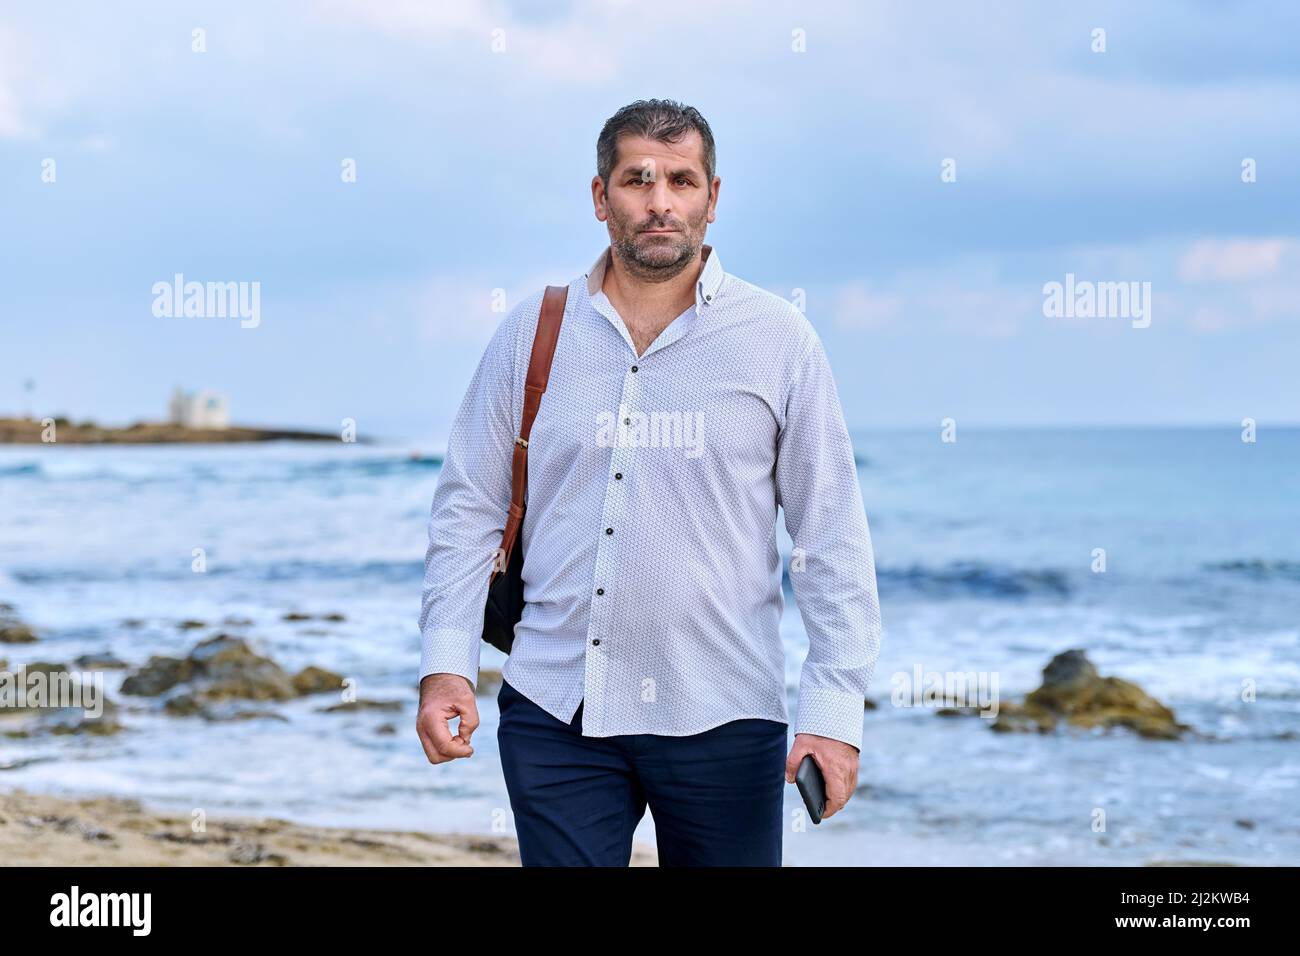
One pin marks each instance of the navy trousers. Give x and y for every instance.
(716, 796)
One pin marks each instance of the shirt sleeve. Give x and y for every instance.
(469, 509)
(832, 568)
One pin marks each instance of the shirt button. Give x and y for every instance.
(618, 476)
(627, 421)
(596, 641)
(634, 368)
(600, 590)
(609, 531)
(708, 298)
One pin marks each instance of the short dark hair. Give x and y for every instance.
(664, 120)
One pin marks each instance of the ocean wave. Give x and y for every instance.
(201, 472)
(370, 467)
(275, 571)
(976, 579)
(957, 579)
(1261, 569)
(28, 469)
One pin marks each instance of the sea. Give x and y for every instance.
(1171, 556)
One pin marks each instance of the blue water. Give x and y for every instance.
(984, 552)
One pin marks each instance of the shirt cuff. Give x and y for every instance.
(832, 713)
(450, 652)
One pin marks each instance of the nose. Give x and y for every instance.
(659, 201)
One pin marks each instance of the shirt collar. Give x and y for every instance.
(706, 289)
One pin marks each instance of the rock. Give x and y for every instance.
(189, 705)
(316, 680)
(956, 711)
(45, 667)
(224, 668)
(157, 676)
(1074, 692)
(43, 718)
(254, 715)
(356, 705)
(21, 694)
(14, 632)
(250, 854)
(104, 661)
(296, 616)
(1069, 669)
(229, 667)
(1017, 718)
(191, 625)
(70, 720)
(184, 705)
(336, 616)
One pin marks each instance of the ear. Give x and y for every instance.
(599, 201)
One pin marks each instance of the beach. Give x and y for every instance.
(43, 830)
(250, 612)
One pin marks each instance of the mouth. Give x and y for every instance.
(659, 232)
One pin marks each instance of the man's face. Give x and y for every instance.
(658, 205)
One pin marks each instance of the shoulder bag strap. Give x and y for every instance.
(539, 373)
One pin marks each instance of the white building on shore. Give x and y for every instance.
(201, 409)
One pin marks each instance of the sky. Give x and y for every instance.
(913, 174)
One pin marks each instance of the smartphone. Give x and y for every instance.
(812, 786)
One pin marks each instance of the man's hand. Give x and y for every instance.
(442, 697)
(837, 761)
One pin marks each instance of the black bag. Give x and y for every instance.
(505, 597)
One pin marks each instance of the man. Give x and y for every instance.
(684, 406)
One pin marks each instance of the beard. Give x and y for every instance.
(656, 258)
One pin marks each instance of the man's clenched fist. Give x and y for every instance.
(442, 697)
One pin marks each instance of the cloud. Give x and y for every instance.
(12, 125)
(437, 311)
(855, 306)
(955, 297)
(572, 50)
(1233, 260)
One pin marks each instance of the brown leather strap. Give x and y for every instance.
(539, 373)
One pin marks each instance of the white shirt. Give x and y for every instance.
(651, 571)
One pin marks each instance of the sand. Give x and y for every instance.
(41, 830)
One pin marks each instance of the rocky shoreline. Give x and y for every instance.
(43, 830)
(31, 431)
(225, 677)
(222, 678)
(1074, 696)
